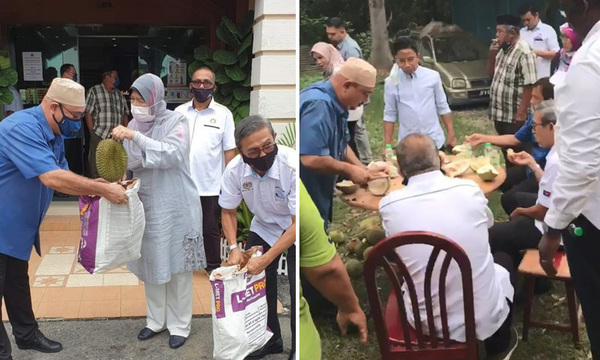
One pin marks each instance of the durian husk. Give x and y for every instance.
(380, 186)
(111, 160)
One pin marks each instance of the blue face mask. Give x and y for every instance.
(117, 82)
(68, 127)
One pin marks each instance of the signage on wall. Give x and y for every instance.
(32, 66)
(177, 73)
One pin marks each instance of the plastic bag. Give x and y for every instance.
(111, 234)
(239, 310)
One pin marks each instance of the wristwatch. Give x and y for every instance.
(230, 248)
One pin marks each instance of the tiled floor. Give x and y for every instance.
(62, 288)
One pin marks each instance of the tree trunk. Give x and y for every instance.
(381, 56)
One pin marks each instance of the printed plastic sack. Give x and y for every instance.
(239, 310)
(111, 234)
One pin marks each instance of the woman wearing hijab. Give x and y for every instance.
(157, 145)
(329, 60)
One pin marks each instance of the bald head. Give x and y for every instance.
(417, 154)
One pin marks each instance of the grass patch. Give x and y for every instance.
(542, 344)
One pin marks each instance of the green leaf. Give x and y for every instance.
(193, 67)
(235, 73)
(246, 44)
(243, 59)
(247, 23)
(215, 66)
(289, 137)
(234, 104)
(227, 100)
(202, 53)
(226, 37)
(222, 78)
(228, 88)
(6, 96)
(231, 27)
(244, 109)
(241, 93)
(247, 81)
(225, 57)
(9, 77)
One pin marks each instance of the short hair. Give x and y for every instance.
(547, 88)
(249, 126)
(546, 108)
(528, 7)
(65, 68)
(207, 69)
(335, 22)
(417, 154)
(404, 43)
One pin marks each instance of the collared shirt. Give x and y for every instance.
(211, 134)
(416, 102)
(429, 203)
(272, 198)
(514, 70)
(545, 191)
(316, 249)
(542, 37)
(16, 104)
(324, 132)
(525, 135)
(349, 48)
(28, 149)
(576, 189)
(107, 109)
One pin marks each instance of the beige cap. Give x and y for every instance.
(66, 92)
(359, 72)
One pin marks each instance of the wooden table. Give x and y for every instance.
(363, 199)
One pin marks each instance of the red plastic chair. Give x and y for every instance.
(393, 328)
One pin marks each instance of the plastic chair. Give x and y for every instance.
(393, 328)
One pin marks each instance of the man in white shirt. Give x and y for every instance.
(541, 37)
(576, 191)
(15, 105)
(524, 230)
(212, 147)
(429, 202)
(416, 99)
(264, 176)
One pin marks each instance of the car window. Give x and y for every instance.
(426, 48)
(460, 47)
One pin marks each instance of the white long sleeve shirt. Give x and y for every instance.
(577, 138)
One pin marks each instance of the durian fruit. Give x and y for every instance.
(111, 160)
(461, 148)
(369, 223)
(337, 237)
(366, 252)
(478, 162)
(373, 235)
(347, 187)
(354, 268)
(380, 186)
(354, 246)
(487, 172)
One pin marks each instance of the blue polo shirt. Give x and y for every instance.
(28, 148)
(525, 135)
(323, 132)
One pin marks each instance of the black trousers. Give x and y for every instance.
(14, 287)
(514, 199)
(512, 236)
(271, 277)
(500, 340)
(504, 128)
(210, 231)
(585, 273)
(352, 131)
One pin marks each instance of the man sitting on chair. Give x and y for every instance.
(456, 209)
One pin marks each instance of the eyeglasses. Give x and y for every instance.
(74, 116)
(207, 84)
(534, 125)
(255, 153)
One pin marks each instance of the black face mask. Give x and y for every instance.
(262, 163)
(201, 95)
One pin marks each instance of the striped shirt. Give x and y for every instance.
(514, 69)
(107, 109)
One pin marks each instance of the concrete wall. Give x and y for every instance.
(274, 67)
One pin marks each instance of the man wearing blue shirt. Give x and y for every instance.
(519, 179)
(32, 163)
(324, 149)
(415, 98)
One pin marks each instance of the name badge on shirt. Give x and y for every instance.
(212, 123)
(538, 38)
(279, 194)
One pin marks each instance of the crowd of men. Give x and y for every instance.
(541, 105)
